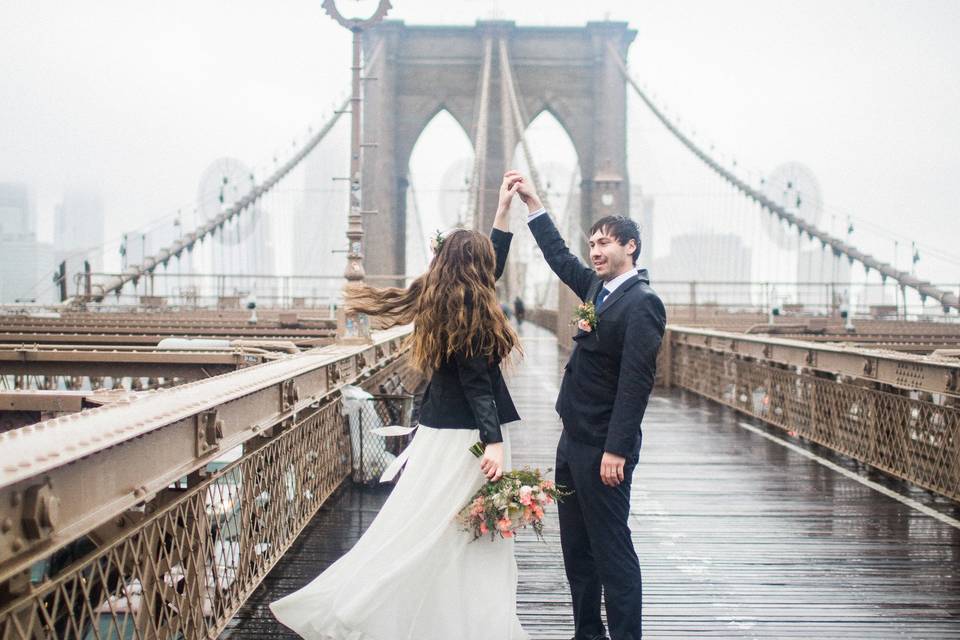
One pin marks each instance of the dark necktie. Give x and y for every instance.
(601, 297)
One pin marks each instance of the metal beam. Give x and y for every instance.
(119, 362)
(61, 478)
(121, 336)
(901, 370)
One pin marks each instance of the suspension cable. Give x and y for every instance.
(518, 119)
(947, 299)
(418, 220)
(476, 204)
(187, 242)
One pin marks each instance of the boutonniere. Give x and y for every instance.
(586, 317)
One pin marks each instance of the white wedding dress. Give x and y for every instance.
(415, 574)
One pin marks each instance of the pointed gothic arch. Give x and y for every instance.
(567, 70)
(441, 149)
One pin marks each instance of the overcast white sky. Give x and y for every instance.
(135, 99)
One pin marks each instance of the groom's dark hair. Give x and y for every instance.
(620, 227)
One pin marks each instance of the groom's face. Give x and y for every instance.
(610, 258)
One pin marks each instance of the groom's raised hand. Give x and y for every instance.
(611, 469)
(528, 193)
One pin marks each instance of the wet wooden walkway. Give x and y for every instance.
(738, 535)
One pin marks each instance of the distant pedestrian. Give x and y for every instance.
(519, 310)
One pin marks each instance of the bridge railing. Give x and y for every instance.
(897, 412)
(187, 291)
(157, 516)
(864, 300)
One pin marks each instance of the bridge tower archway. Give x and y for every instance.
(422, 70)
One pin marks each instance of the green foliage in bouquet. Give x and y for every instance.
(515, 501)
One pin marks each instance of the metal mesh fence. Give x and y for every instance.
(373, 453)
(909, 434)
(182, 569)
(178, 567)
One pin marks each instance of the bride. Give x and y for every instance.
(415, 574)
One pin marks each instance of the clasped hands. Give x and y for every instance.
(515, 184)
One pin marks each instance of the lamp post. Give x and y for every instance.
(353, 327)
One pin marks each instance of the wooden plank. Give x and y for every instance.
(737, 535)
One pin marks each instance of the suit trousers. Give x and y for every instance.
(598, 552)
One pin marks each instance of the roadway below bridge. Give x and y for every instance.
(743, 531)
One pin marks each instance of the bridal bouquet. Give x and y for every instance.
(513, 502)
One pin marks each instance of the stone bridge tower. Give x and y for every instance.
(422, 70)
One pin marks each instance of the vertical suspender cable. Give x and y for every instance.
(149, 263)
(477, 202)
(519, 119)
(947, 299)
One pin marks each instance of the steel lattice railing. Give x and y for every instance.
(187, 567)
(198, 553)
(157, 516)
(895, 412)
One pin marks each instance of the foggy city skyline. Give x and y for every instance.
(133, 102)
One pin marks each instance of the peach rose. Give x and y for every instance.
(525, 495)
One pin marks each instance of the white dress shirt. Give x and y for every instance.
(612, 285)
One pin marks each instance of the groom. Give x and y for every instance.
(602, 398)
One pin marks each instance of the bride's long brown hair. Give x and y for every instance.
(453, 306)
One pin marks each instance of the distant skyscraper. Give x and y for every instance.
(646, 229)
(821, 266)
(26, 265)
(702, 257)
(16, 210)
(78, 231)
(26, 270)
(826, 277)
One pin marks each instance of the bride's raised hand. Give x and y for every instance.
(491, 464)
(508, 189)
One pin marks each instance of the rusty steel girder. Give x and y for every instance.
(99, 463)
(126, 361)
(902, 370)
(897, 412)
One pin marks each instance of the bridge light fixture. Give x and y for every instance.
(355, 15)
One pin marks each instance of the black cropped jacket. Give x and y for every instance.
(469, 392)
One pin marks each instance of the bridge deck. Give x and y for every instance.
(738, 535)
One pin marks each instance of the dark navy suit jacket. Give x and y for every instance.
(608, 380)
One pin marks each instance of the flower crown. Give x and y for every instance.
(436, 242)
